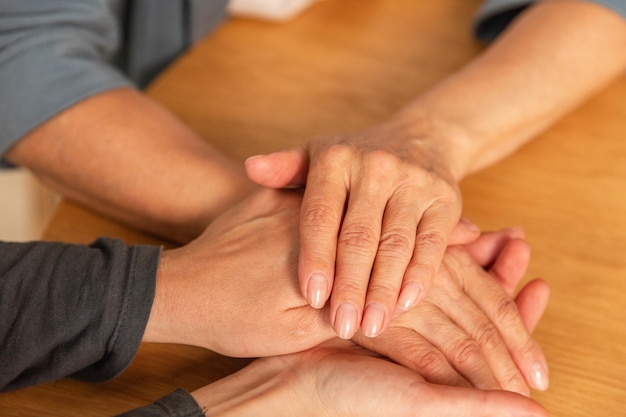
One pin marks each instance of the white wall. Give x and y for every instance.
(25, 206)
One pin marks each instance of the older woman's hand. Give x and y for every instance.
(378, 210)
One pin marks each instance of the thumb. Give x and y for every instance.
(279, 169)
(461, 401)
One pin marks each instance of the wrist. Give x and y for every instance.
(449, 142)
(258, 387)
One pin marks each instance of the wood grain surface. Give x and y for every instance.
(255, 87)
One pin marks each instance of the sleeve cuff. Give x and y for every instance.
(495, 15)
(177, 404)
(132, 317)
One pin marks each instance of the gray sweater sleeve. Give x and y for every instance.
(72, 310)
(53, 53)
(495, 15)
(177, 404)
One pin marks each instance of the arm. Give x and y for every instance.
(552, 58)
(398, 181)
(122, 154)
(77, 123)
(72, 310)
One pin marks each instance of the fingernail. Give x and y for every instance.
(409, 295)
(345, 320)
(470, 225)
(316, 290)
(373, 319)
(254, 157)
(539, 376)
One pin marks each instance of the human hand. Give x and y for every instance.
(234, 289)
(339, 379)
(378, 210)
(483, 338)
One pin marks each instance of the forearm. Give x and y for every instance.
(72, 309)
(125, 156)
(552, 58)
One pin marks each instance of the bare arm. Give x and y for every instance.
(399, 180)
(550, 60)
(122, 154)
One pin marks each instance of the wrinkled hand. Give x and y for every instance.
(234, 291)
(339, 379)
(378, 210)
(468, 329)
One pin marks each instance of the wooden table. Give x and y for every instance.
(255, 87)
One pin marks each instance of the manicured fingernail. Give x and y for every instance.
(373, 319)
(539, 376)
(345, 320)
(316, 290)
(470, 225)
(409, 295)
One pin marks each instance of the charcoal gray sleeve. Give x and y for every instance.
(495, 15)
(177, 404)
(72, 310)
(53, 53)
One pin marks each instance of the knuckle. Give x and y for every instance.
(361, 237)
(466, 352)
(396, 243)
(336, 154)
(488, 336)
(346, 288)
(318, 213)
(448, 193)
(431, 239)
(513, 381)
(428, 360)
(506, 311)
(382, 161)
(383, 291)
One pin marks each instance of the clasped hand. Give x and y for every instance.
(234, 290)
(377, 215)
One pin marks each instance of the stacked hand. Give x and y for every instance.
(377, 215)
(340, 379)
(234, 290)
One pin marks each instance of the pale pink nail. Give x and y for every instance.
(316, 290)
(539, 376)
(373, 320)
(345, 320)
(409, 295)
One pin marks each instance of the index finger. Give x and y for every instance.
(320, 219)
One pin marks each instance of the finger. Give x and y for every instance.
(486, 248)
(462, 351)
(450, 401)
(356, 250)
(511, 265)
(430, 244)
(503, 313)
(405, 347)
(394, 252)
(279, 169)
(320, 219)
(464, 232)
(532, 302)
(469, 317)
